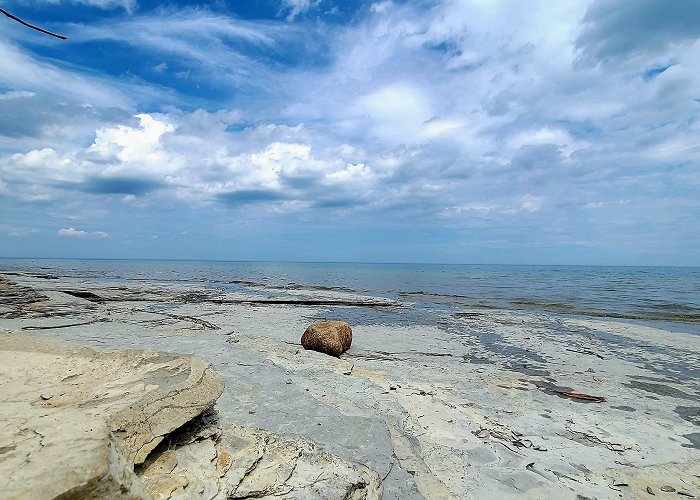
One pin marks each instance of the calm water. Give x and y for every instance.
(634, 293)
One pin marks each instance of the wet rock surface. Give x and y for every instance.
(17, 301)
(465, 407)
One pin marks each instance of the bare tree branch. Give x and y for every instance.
(15, 18)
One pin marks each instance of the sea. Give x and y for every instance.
(666, 297)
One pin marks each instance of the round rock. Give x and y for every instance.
(329, 337)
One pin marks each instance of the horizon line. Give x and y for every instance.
(150, 259)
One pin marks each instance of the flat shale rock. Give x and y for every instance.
(210, 460)
(17, 300)
(75, 420)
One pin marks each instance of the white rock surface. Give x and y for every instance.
(205, 461)
(463, 406)
(75, 420)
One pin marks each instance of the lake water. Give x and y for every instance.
(668, 295)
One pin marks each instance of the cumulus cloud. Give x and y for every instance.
(173, 154)
(72, 232)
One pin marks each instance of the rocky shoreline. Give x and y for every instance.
(478, 405)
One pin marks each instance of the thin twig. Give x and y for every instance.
(15, 18)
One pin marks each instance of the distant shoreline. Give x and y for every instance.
(665, 297)
(369, 263)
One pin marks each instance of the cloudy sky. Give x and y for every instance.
(474, 131)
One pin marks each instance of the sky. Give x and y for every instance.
(447, 131)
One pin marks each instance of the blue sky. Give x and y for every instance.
(469, 131)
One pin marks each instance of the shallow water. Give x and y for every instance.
(661, 295)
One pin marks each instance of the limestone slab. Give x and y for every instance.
(75, 420)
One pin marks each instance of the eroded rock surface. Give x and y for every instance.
(456, 404)
(17, 300)
(208, 459)
(75, 420)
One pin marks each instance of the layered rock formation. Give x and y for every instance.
(76, 421)
(209, 459)
(469, 406)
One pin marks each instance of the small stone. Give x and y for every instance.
(650, 491)
(392, 387)
(667, 488)
(46, 396)
(288, 381)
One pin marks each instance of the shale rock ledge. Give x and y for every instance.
(75, 420)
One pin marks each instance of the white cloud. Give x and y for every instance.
(379, 7)
(71, 232)
(396, 111)
(20, 70)
(192, 157)
(197, 41)
(296, 7)
(14, 231)
(140, 144)
(455, 112)
(15, 94)
(541, 136)
(127, 5)
(531, 203)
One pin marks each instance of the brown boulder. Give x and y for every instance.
(329, 337)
